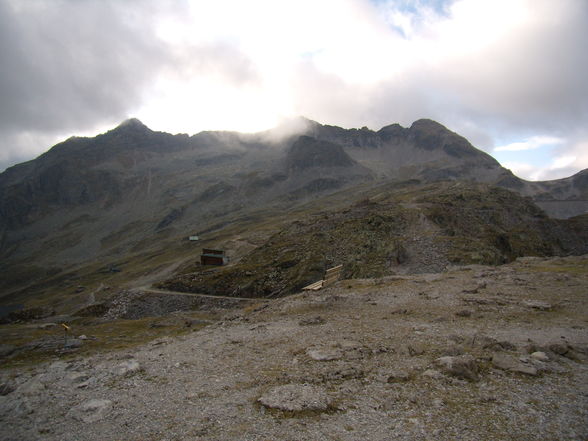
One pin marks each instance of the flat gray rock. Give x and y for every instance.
(324, 354)
(73, 343)
(296, 398)
(128, 367)
(537, 304)
(540, 356)
(228, 382)
(76, 379)
(432, 373)
(461, 366)
(510, 363)
(91, 411)
(32, 387)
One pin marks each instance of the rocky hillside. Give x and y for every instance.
(414, 229)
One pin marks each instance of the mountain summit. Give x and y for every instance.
(133, 124)
(307, 152)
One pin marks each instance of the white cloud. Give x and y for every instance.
(559, 167)
(532, 143)
(524, 170)
(562, 162)
(572, 158)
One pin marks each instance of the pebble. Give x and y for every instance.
(541, 356)
(558, 348)
(415, 350)
(537, 304)
(318, 320)
(398, 377)
(432, 373)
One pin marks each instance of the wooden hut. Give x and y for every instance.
(213, 257)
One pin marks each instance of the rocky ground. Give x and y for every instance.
(474, 353)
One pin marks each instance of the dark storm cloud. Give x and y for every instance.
(70, 65)
(536, 80)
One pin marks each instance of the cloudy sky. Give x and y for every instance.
(510, 75)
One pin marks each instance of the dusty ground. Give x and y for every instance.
(361, 360)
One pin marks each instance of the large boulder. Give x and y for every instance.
(462, 366)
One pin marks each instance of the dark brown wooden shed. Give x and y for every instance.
(212, 257)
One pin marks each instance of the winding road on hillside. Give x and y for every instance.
(150, 290)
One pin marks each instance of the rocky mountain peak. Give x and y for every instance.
(430, 135)
(132, 124)
(307, 152)
(428, 125)
(131, 128)
(392, 128)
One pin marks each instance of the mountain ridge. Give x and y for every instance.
(132, 189)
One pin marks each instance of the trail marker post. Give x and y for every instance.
(65, 331)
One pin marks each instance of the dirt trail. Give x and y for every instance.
(150, 290)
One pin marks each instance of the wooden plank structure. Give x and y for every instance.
(212, 257)
(314, 287)
(331, 276)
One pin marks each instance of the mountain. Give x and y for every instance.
(440, 325)
(426, 150)
(561, 198)
(121, 205)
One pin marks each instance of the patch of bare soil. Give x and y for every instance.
(474, 353)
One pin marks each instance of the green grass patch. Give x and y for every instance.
(102, 337)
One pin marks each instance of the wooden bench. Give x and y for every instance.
(331, 276)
